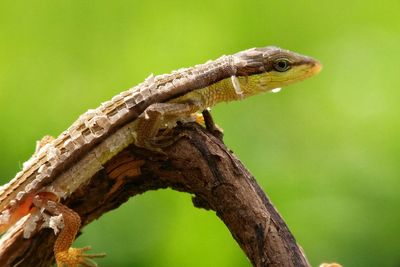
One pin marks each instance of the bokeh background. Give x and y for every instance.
(326, 150)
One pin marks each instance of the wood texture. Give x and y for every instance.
(198, 163)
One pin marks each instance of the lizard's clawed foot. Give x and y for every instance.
(162, 141)
(199, 119)
(74, 257)
(156, 144)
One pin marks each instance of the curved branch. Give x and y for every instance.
(198, 163)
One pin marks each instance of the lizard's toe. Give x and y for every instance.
(74, 257)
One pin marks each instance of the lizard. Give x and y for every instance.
(136, 116)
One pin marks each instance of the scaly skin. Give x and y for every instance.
(136, 116)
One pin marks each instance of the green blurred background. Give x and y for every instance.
(326, 150)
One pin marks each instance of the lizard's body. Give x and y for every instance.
(61, 166)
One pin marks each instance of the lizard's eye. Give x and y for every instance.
(282, 65)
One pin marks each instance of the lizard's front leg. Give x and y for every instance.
(161, 116)
(69, 223)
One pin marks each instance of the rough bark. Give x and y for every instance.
(197, 163)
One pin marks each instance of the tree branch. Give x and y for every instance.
(198, 163)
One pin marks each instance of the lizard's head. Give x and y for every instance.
(264, 69)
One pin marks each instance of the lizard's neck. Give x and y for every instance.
(226, 90)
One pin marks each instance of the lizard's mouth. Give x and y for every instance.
(273, 79)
